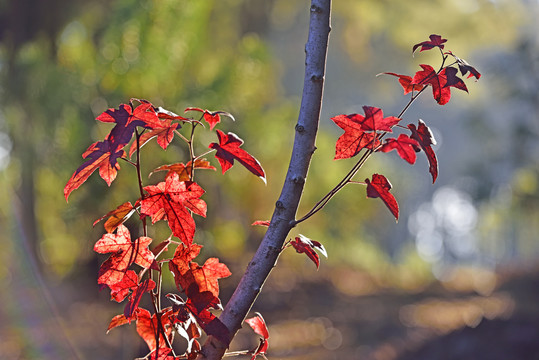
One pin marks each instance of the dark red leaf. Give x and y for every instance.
(406, 83)
(406, 147)
(171, 200)
(435, 41)
(211, 117)
(424, 137)
(440, 82)
(134, 299)
(379, 186)
(228, 150)
(303, 244)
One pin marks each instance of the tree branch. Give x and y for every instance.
(286, 207)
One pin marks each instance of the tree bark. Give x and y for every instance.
(286, 207)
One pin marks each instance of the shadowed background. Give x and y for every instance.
(457, 272)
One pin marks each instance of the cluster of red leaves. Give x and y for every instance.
(175, 200)
(369, 130)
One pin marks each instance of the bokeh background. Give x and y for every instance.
(456, 277)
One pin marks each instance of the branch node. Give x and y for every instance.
(279, 204)
(317, 78)
(300, 180)
(316, 9)
(300, 128)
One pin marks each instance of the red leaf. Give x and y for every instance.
(258, 324)
(212, 118)
(406, 83)
(424, 137)
(101, 155)
(172, 199)
(120, 290)
(104, 154)
(124, 254)
(148, 328)
(360, 131)
(440, 82)
(116, 321)
(192, 278)
(117, 216)
(164, 133)
(262, 223)
(435, 41)
(379, 187)
(184, 171)
(228, 150)
(303, 244)
(405, 146)
(134, 300)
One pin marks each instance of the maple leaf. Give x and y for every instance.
(379, 186)
(193, 278)
(211, 117)
(258, 325)
(406, 147)
(406, 83)
(440, 82)
(117, 216)
(102, 155)
(424, 137)
(184, 171)
(172, 200)
(228, 150)
(148, 328)
(120, 290)
(124, 254)
(361, 131)
(303, 244)
(116, 321)
(464, 67)
(164, 133)
(435, 41)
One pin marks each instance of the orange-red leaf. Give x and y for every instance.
(184, 171)
(379, 186)
(124, 254)
(148, 328)
(441, 82)
(116, 321)
(117, 216)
